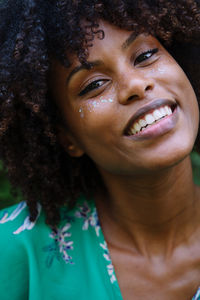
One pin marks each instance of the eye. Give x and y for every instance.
(145, 55)
(92, 86)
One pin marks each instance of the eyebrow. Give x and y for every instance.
(129, 41)
(87, 66)
(90, 65)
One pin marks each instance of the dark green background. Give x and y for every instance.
(6, 199)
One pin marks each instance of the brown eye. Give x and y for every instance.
(145, 55)
(92, 86)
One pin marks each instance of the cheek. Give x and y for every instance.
(91, 120)
(172, 80)
(95, 106)
(179, 81)
(186, 99)
(96, 116)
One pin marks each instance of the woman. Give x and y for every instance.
(97, 123)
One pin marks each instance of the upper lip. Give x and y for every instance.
(147, 108)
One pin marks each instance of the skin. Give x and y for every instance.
(149, 210)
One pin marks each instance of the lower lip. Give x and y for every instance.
(159, 128)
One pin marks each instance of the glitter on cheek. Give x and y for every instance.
(161, 68)
(106, 100)
(89, 106)
(161, 71)
(158, 70)
(92, 105)
(81, 112)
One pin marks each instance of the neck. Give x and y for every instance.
(151, 210)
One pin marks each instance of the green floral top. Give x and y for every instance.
(72, 262)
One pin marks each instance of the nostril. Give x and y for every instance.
(149, 87)
(133, 97)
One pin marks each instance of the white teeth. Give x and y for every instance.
(149, 119)
(142, 122)
(137, 127)
(163, 112)
(132, 131)
(166, 109)
(169, 110)
(157, 114)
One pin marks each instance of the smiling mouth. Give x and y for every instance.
(149, 116)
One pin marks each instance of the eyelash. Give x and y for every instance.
(149, 52)
(140, 58)
(89, 87)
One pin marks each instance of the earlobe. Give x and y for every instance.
(74, 150)
(69, 143)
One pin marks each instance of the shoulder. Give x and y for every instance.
(15, 219)
(15, 224)
(17, 231)
(29, 249)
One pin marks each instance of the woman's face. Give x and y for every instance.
(133, 111)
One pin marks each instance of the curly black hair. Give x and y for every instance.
(34, 31)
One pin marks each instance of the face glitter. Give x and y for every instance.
(162, 68)
(97, 103)
(161, 71)
(94, 103)
(105, 100)
(81, 112)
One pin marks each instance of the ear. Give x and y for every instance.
(69, 142)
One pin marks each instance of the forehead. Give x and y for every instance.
(107, 38)
(108, 32)
(108, 44)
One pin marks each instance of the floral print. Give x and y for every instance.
(60, 245)
(110, 267)
(6, 218)
(90, 218)
(197, 295)
(27, 224)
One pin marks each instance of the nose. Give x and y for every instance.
(134, 87)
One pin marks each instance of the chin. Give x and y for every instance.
(170, 159)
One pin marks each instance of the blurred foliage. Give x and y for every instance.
(195, 157)
(7, 198)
